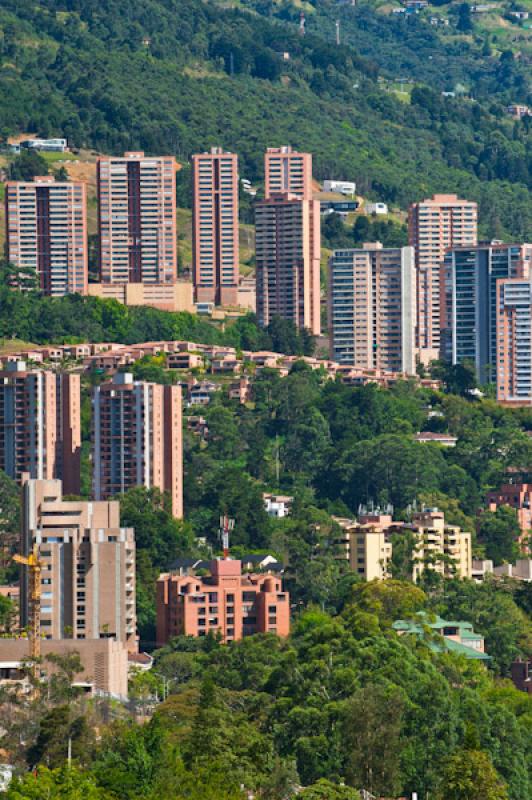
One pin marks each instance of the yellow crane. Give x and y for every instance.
(31, 561)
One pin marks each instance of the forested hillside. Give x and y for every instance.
(180, 75)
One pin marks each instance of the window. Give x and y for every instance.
(248, 597)
(230, 598)
(213, 597)
(272, 609)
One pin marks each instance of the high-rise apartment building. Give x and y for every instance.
(88, 565)
(215, 227)
(473, 276)
(372, 307)
(286, 170)
(40, 428)
(46, 233)
(288, 241)
(226, 602)
(434, 225)
(514, 341)
(287, 229)
(137, 219)
(137, 439)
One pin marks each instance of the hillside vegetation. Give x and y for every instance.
(181, 75)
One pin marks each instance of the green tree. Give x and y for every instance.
(27, 165)
(499, 532)
(371, 737)
(57, 784)
(327, 790)
(470, 775)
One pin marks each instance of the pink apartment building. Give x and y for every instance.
(288, 241)
(137, 219)
(288, 264)
(226, 602)
(137, 439)
(215, 227)
(46, 233)
(434, 225)
(40, 424)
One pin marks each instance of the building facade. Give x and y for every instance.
(137, 439)
(372, 307)
(88, 566)
(367, 544)
(226, 602)
(46, 233)
(216, 254)
(514, 341)
(40, 424)
(287, 229)
(473, 274)
(137, 219)
(434, 225)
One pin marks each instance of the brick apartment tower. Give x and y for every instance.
(137, 219)
(226, 602)
(514, 341)
(215, 227)
(288, 241)
(88, 573)
(46, 232)
(40, 427)
(480, 314)
(372, 307)
(434, 225)
(137, 439)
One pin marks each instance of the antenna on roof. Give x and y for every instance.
(226, 524)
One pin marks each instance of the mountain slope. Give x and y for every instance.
(181, 75)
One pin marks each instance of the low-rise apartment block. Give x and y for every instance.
(227, 603)
(366, 543)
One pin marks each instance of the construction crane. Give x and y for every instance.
(31, 561)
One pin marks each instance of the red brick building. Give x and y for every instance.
(227, 601)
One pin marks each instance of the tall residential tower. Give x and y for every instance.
(40, 428)
(137, 219)
(137, 439)
(434, 225)
(372, 307)
(288, 242)
(46, 233)
(215, 227)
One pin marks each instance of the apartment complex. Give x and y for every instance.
(226, 602)
(216, 256)
(137, 439)
(287, 231)
(46, 233)
(40, 428)
(137, 219)
(367, 545)
(514, 341)
(88, 566)
(372, 307)
(434, 225)
(474, 273)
